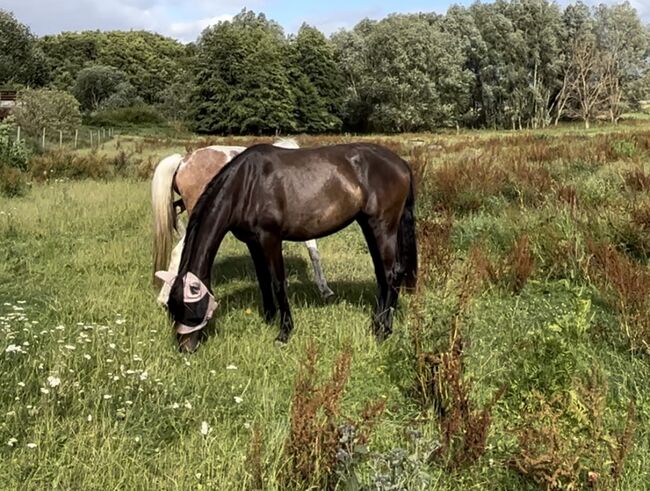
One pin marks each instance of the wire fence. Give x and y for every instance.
(50, 139)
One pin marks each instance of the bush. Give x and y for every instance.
(12, 182)
(126, 116)
(12, 153)
(55, 110)
(71, 165)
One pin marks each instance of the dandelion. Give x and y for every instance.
(205, 428)
(31, 445)
(231, 367)
(238, 400)
(53, 381)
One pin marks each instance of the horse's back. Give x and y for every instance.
(312, 192)
(199, 168)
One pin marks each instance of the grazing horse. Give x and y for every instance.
(268, 194)
(188, 177)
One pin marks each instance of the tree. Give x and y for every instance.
(408, 74)
(316, 80)
(50, 109)
(103, 86)
(21, 62)
(625, 46)
(150, 61)
(241, 80)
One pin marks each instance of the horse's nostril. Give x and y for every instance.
(195, 289)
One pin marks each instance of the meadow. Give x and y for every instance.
(521, 362)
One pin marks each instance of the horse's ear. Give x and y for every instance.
(167, 276)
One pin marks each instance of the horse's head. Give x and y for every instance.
(191, 304)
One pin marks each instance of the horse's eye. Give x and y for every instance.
(195, 288)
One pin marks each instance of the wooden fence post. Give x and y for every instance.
(76, 137)
(18, 135)
(43, 140)
(60, 139)
(91, 138)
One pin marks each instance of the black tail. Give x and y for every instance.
(406, 240)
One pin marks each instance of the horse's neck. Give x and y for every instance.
(204, 244)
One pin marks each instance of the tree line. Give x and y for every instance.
(507, 64)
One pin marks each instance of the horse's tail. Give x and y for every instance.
(407, 245)
(164, 216)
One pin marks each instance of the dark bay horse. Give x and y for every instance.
(268, 194)
(188, 176)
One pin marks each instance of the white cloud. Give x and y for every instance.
(189, 31)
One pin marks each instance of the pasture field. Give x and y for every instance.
(522, 361)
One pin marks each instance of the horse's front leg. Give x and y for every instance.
(272, 247)
(264, 279)
(324, 289)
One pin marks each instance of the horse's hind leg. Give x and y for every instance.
(272, 247)
(324, 289)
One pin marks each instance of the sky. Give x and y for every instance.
(185, 19)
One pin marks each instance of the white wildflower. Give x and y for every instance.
(111, 346)
(13, 348)
(71, 347)
(231, 367)
(87, 356)
(238, 400)
(143, 375)
(31, 445)
(44, 390)
(89, 418)
(188, 405)
(12, 441)
(21, 384)
(205, 428)
(107, 396)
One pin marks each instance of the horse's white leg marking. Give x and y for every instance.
(325, 290)
(163, 297)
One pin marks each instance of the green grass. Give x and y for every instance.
(76, 297)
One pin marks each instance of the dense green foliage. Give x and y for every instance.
(508, 64)
(21, 61)
(54, 110)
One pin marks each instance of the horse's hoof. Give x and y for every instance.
(382, 334)
(282, 339)
(329, 297)
(189, 343)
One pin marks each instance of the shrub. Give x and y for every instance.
(72, 165)
(140, 114)
(54, 110)
(321, 450)
(564, 442)
(12, 182)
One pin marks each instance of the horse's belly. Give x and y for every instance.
(324, 213)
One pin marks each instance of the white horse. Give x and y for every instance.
(188, 176)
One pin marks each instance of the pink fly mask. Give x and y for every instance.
(198, 303)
